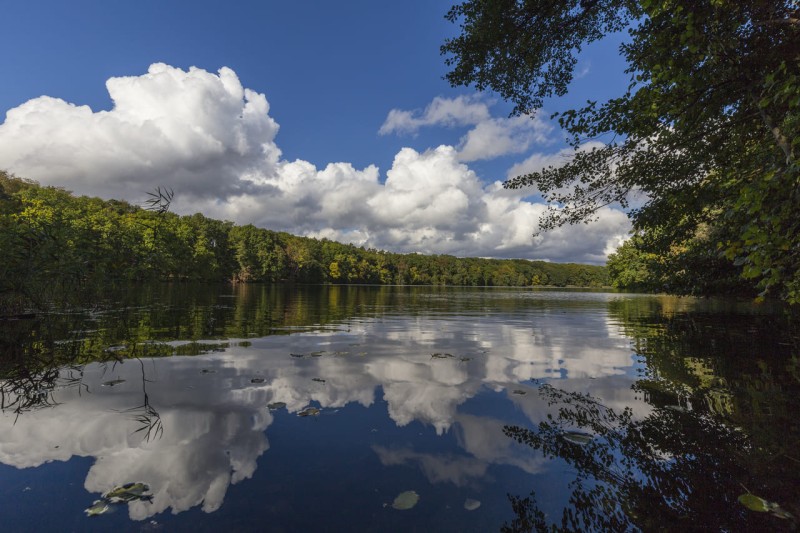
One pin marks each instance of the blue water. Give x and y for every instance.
(413, 387)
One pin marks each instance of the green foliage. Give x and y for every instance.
(536, 57)
(708, 128)
(629, 266)
(56, 244)
(690, 267)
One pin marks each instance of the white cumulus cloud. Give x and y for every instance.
(458, 111)
(201, 133)
(488, 138)
(501, 136)
(213, 141)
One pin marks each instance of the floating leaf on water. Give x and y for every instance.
(98, 507)
(465, 359)
(298, 355)
(257, 380)
(340, 354)
(519, 392)
(309, 411)
(405, 500)
(127, 493)
(754, 503)
(317, 354)
(207, 371)
(577, 437)
(318, 380)
(113, 382)
(276, 405)
(471, 505)
(439, 355)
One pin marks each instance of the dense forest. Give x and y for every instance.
(53, 240)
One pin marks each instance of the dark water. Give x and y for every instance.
(499, 408)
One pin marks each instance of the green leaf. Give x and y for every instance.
(405, 500)
(309, 411)
(98, 507)
(754, 503)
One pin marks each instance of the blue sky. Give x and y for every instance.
(332, 76)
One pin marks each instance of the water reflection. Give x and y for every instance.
(723, 429)
(459, 363)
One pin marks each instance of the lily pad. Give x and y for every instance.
(98, 507)
(257, 380)
(127, 493)
(405, 500)
(113, 382)
(754, 503)
(276, 405)
(207, 371)
(318, 380)
(298, 355)
(441, 355)
(519, 392)
(309, 411)
(577, 437)
(471, 505)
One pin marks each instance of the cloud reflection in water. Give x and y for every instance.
(216, 423)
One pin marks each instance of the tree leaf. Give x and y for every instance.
(405, 500)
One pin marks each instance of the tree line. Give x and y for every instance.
(54, 241)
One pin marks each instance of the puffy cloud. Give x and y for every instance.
(458, 111)
(501, 136)
(213, 142)
(489, 138)
(201, 133)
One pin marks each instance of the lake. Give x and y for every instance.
(342, 408)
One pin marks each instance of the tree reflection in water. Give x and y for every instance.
(30, 368)
(670, 469)
(35, 363)
(724, 392)
(145, 415)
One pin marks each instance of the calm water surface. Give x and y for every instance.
(500, 408)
